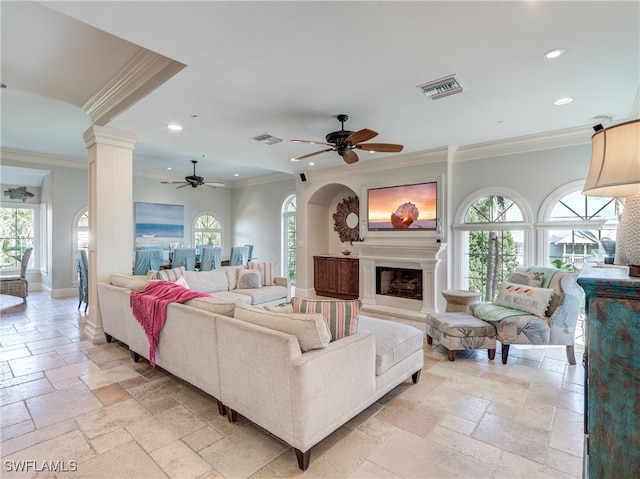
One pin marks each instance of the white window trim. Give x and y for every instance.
(216, 216)
(545, 224)
(460, 243)
(74, 242)
(39, 237)
(284, 213)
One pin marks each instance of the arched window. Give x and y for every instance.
(207, 229)
(574, 227)
(80, 238)
(289, 242)
(493, 236)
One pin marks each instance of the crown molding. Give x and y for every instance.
(41, 158)
(260, 180)
(524, 144)
(144, 72)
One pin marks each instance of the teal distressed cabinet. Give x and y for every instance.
(612, 379)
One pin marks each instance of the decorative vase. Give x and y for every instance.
(628, 236)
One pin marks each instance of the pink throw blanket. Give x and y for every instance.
(150, 308)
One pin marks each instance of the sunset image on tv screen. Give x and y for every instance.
(403, 207)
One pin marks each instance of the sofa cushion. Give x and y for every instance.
(232, 275)
(207, 281)
(136, 283)
(310, 329)
(341, 316)
(249, 279)
(267, 272)
(266, 294)
(525, 298)
(213, 305)
(280, 308)
(394, 341)
(232, 296)
(494, 313)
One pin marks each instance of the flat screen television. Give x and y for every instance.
(403, 207)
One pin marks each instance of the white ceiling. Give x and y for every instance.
(288, 68)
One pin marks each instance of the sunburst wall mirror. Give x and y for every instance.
(346, 219)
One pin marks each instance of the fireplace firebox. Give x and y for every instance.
(399, 282)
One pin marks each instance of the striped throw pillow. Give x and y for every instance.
(267, 272)
(341, 316)
(169, 274)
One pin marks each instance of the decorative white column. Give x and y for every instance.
(111, 234)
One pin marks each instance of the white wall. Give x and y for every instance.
(196, 201)
(533, 175)
(257, 220)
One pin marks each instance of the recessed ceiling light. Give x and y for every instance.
(236, 174)
(555, 53)
(563, 101)
(174, 126)
(311, 163)
(169, 168)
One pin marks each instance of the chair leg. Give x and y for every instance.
(571, 354)
(491, 353)
(505, 353)
(451, 355)
(429, 339)
(86, 305)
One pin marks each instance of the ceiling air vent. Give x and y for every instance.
(440, 88)
(268, 139)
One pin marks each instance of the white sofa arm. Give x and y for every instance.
(286, 282)
(300, 398)
(330, 386)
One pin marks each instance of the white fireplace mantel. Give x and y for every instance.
(412, 253)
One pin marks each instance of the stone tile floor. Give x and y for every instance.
(70, 408)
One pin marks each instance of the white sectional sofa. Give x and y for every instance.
(281, 370)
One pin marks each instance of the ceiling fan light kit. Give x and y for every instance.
(345, 142)
(193, 180)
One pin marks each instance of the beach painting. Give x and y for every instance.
(159, 224)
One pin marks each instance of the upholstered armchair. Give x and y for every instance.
(558, 324)
(17, 285)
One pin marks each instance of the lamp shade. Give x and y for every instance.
(615, 162)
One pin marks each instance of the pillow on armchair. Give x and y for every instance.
(524, 298)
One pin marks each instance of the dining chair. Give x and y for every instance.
(82, 266)
(250, 252)
(15, 285)
(239, 256)
(210, 258)
(147, 259)
(184, 257)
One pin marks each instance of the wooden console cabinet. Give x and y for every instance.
(612, 379)
(336, 277)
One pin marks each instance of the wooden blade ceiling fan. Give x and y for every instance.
(194, 180)
(345, 142)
